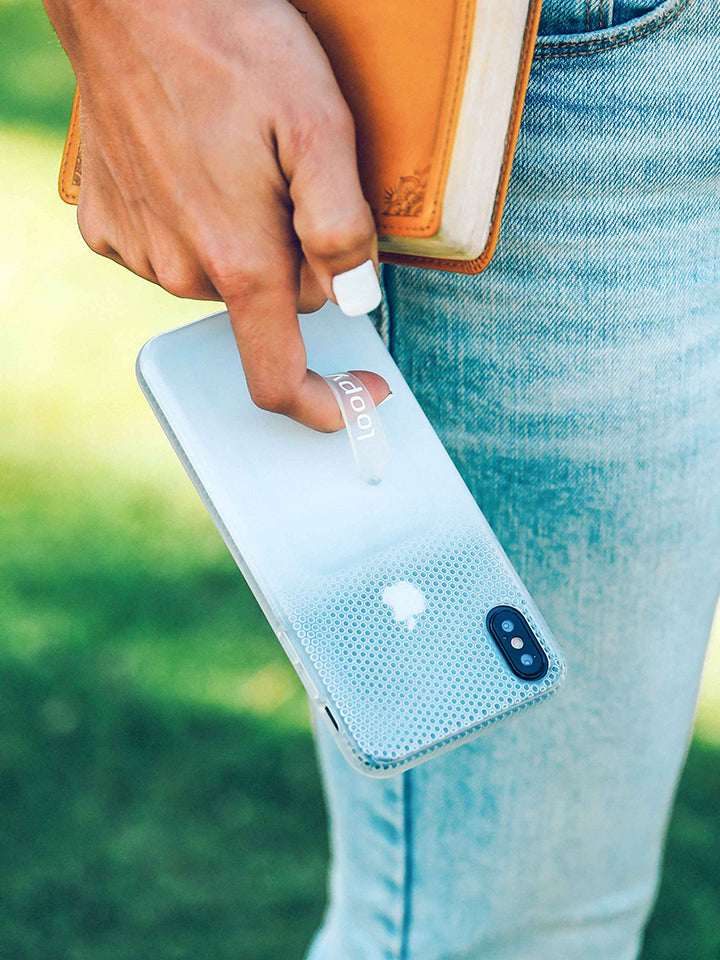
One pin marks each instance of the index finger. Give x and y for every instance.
(261, 302)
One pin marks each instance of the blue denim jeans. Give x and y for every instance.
(576, 383)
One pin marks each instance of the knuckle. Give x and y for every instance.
(238, 277)
(273, 396)
(91, 230)
(315, 127)
(341, 235)
(133, 257)
(311, 301)
(340, 120)
(183, 284)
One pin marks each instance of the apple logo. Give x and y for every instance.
(406, 602)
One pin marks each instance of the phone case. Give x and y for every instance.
(379, 593)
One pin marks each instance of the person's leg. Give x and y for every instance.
(576, 383)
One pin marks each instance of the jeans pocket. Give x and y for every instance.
(570, 27)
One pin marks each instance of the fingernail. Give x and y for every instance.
(358, 290)
(385, 399)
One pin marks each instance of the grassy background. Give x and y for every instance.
(158, 790)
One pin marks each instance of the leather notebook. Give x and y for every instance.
(436, 88)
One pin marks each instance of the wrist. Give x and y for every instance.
(65, 15)
(82, 23)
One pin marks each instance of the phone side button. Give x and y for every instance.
(299, 668)
(288, 647)
(309, 685)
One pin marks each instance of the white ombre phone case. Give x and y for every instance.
(379, 593)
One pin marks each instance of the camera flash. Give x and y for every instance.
(517, 642)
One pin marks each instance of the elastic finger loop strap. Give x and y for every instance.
(362, 420)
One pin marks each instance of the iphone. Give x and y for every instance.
(376, 569)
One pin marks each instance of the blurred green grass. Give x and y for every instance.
(158, 789)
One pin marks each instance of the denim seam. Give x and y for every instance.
(381, 315)
(596, 46)
(388, 312)
(408, 866)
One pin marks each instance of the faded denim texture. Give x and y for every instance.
(576, 383)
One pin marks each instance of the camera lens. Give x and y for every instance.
(527, 660)
(508, 626)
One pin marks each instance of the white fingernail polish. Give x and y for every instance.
(358, 290)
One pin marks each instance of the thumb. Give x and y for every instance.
(331, 218)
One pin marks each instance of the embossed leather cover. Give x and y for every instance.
(378, 593)
(402, 67)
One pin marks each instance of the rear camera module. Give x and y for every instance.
(517, 643)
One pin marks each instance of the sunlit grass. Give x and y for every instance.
(73, 325)
(88, 472)
(158, 789)
(708, 719)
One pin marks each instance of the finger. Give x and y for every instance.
(176, 267)
(311, 296)
(95, 237)
(139, 266)
(151, 251)
(187, 284)
(331, 218)
(261, 300)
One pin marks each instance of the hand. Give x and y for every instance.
(219, 161)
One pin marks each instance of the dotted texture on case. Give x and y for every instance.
(399, 688)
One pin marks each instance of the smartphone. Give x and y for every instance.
(394, 601)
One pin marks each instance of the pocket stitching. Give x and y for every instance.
(593, 46)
